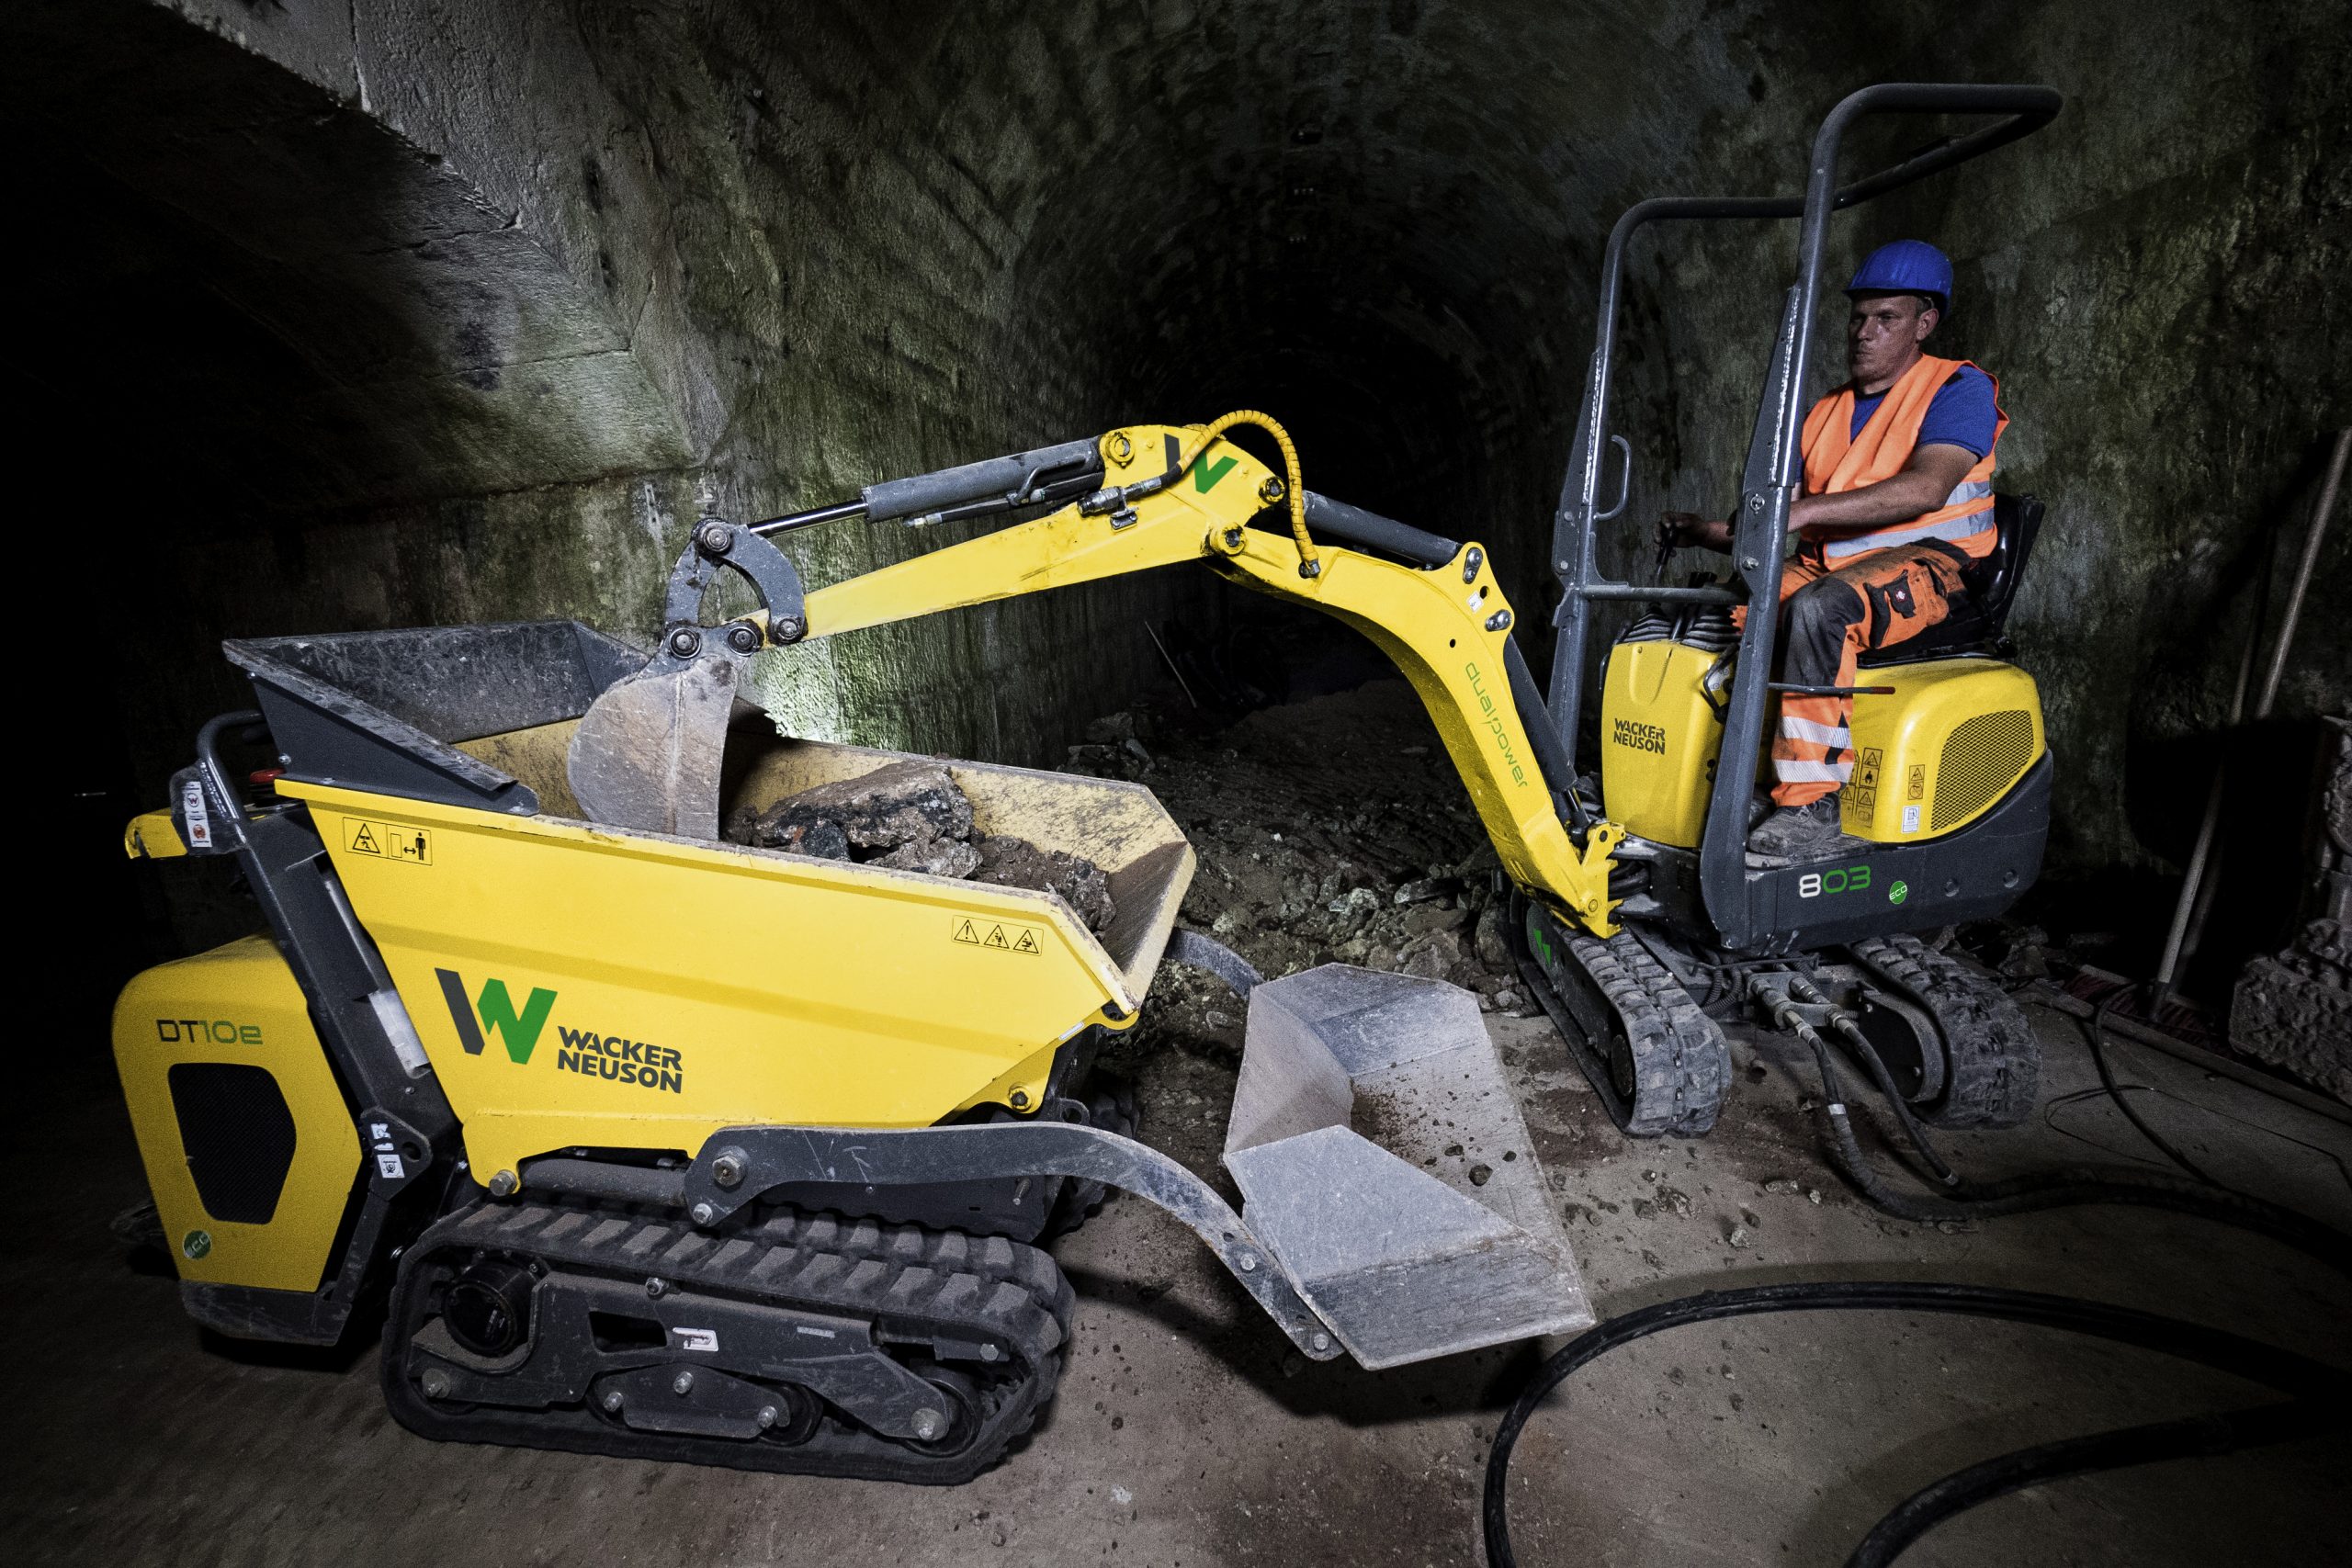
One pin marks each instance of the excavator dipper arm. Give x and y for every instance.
(1169, 496)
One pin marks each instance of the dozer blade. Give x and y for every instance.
(1386, 1167)
(647, 753)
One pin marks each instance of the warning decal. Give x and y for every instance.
(1000, 936)
(388, 841)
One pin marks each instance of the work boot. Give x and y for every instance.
(1801, 832)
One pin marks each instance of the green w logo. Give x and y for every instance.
(519, 1030)
(1206, 474)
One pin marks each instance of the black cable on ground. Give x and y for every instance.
(2106, 1077)
(2323, 1401)
(2065, 1187)
(2193, 1437)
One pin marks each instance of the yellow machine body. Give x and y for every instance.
(250, 1150)
(1942, 749)
(1931, 757)
(1445, 627)
(580, 985)
(1659, 739)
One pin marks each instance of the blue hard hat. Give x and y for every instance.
(1906, 266)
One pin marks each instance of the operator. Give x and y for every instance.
(1897, 499)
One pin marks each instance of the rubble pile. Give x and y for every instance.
(911, 816)
(2293, 1009)
(1334, 829)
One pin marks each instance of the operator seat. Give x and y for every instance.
(1979, 618)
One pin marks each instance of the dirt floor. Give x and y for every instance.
(1185, 1434)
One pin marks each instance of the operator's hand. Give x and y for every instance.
(1677, 528)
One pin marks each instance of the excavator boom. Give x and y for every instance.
(1447, 627)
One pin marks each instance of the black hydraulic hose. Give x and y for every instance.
(1910, 1123)
(2069, 1186)
(1851, 1029)
(2321, 1391)
(2115, 1092)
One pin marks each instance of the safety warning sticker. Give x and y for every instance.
(200, 818)
(996, 936)
(1917, 788)
(1867, 774)
(388, 841)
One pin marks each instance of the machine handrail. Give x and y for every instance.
(1761, 529)
(1768, 484)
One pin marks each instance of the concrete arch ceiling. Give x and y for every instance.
(479, 249)
(1378, 222)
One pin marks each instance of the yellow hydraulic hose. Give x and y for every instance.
(1307, 564)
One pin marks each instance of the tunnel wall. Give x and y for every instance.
(402, 312)
(797, 258)
(2156, 280)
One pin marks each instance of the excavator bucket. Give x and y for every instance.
(648, 753)
(1384, 1165)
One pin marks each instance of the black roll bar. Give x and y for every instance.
(1769, 481)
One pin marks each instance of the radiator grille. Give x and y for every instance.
(237, 1134)
(1983, 756)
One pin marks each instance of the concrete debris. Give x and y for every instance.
(934, 857)
(912, 816)
(1434, 955)
(1320, 839)
(823, 840)
(1016, 862)
(2293, 1009)
(1493, 939)
(887, 809)
(1112, 730)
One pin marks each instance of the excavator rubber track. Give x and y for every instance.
(1992, 1056)
(980, 1319)
(1659, 1063)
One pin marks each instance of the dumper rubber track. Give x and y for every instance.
(981, 1319)
(1657, 1061)
(1992, 1056)
(1110, 1105)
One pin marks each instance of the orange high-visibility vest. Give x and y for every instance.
(1836, 459)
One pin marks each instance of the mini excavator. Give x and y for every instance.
(662, 1146)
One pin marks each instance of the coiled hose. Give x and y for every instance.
(2064, 1187)
(2320, 1389)
(2318, 1402)
(1308, 564)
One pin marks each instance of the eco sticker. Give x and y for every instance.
(1896, 894)
(195, 1244)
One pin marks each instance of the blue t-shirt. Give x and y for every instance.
(1962, 414)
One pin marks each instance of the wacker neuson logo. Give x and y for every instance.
(1636, 736)
(608, 1056)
